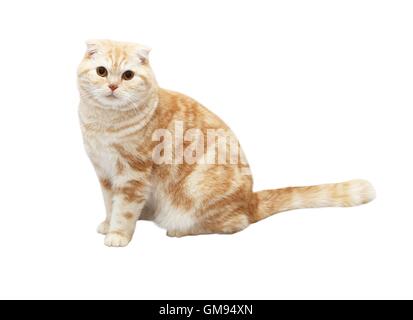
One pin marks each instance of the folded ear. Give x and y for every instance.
(91, 47)
(143, 53)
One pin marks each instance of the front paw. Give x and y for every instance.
(103, 227)
(116, 239)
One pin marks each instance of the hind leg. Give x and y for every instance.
(227, 223)
(227, 217)
(217, 224)
(180, 234)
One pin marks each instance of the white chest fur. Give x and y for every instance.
(100, 152)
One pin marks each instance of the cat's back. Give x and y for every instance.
(175, 106)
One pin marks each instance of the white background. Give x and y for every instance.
(317, 91)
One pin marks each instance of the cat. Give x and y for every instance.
(132, 131)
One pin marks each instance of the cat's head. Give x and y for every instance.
(115, 75)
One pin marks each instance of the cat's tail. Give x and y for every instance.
(345, 194)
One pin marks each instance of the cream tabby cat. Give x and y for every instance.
(125, 117)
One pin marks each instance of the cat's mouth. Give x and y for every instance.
(111, 96)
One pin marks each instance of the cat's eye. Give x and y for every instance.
(101, 71)
(128, 75)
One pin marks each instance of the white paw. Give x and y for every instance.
(116, 240)
(103, 227)
(176, 234)
(173, 234)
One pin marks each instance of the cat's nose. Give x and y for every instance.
(113, 87)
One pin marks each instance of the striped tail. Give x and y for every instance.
(345, 194)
